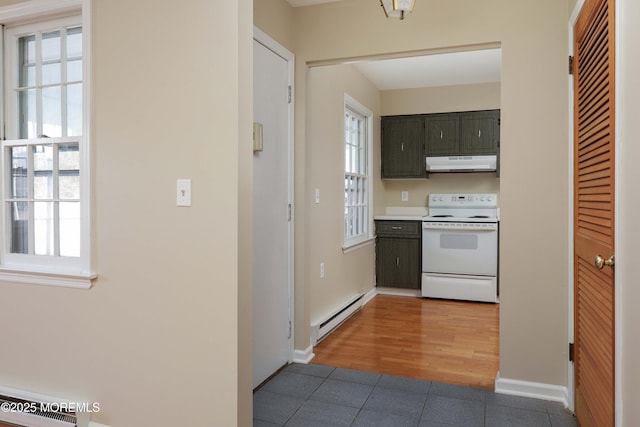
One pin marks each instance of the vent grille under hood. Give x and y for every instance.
(462, 164)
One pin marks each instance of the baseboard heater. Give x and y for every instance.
(320, 329)
(25, 411)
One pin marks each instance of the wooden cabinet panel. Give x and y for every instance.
(479, 132)
(399, 254)
(441, 134)
(399, 229)
(398, 263)
(403, 147)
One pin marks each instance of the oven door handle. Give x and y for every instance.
(476, 227)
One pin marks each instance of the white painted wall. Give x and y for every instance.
(628, 226)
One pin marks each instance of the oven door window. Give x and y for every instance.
(459, 241)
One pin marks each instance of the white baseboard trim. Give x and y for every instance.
(369, 296)
(303, 356)
(401, 292)
(534, 390)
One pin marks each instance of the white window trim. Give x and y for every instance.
(361, 241)
(80, 275)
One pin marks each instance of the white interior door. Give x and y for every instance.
(272, 242)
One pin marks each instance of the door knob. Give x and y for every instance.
(600, 262)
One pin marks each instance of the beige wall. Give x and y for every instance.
(345, 274)
(533, 37)
(419, 190)
(275, 17)
(157, 340)
(485, 96)
(534, 313)
(244, 373)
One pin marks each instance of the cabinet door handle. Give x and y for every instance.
(479, 132)
(440, 134)
(397, 261)
(396, 227)
(402, 147)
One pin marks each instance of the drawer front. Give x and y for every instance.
(398, 228)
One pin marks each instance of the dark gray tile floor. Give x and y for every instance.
(318, 396)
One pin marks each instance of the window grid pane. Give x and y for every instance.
(51, 58)
(356, 211)
(43, 230)
(27, 114)
(19, 217)
(42, 171)
(44, 198)
(19, 165)
(52, 111)
(69, 229)
(47, 104)
(27, 61)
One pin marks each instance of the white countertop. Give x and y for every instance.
(402, 213)
(399, 213)
(398, 217)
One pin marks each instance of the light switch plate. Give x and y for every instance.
(183, 194)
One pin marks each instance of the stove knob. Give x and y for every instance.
(442, 198)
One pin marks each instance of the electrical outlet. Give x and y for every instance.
(405, 196)
(322, 270)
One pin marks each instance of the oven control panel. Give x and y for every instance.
(463, 200)
(460, 226)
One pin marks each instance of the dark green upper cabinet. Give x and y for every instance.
(406, 140)
(403, 147)
(479, 132)
(469, 133)
(442, 134)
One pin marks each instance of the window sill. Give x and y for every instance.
(35, 277)
(355, 246)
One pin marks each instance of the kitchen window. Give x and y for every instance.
(357, 180)
(45, 161)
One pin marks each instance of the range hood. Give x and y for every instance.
(462, 164)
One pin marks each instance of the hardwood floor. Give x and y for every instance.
(452, 342)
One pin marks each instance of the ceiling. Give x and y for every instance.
(445, 69)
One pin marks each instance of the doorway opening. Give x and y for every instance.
(446, 89)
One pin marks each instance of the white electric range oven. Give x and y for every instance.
(460, 247)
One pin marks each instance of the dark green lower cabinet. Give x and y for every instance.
(398, 257)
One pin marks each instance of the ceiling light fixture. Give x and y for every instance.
(397, 8)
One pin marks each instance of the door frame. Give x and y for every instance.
(262, 38)
(617, 294)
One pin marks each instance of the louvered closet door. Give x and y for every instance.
(594, 88)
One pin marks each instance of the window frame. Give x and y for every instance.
(75, 272)
(351, 104)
